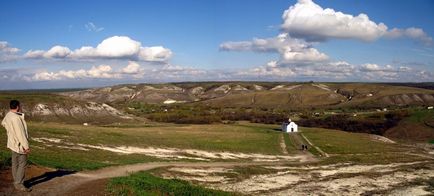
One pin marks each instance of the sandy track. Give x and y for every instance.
(283, 144)
(65, 184)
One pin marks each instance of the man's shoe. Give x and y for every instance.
(21, 187)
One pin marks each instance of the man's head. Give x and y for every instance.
(14, 105)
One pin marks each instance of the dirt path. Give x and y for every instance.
(64, 185)
(316, 147)
(283, 144)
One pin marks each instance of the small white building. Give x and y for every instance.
(289, 127)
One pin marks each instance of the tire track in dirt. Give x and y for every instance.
(316, 147)
(283, 144)
(65, 184)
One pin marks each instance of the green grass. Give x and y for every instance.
(143, 183)
(216, 137)
(419, 116)
(357, 148)
(28, 98)
(290, 147)
(5, 159)
(340, 142)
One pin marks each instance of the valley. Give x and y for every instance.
(210, 140)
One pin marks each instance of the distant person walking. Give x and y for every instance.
(18, 143)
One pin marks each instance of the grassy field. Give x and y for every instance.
(357, 147)
(218, 137)
(340, 142)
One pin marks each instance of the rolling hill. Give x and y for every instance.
(262, 94)
(46, 106)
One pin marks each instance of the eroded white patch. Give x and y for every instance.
(175, 153)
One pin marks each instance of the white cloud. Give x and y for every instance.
(376, 72)
(6, 48)
(323, 70)
(112, 47)
(54, 52)
(116, 47)
(90, 26)
(132, 68)
(311, 22)
(96, 72)
(370, 67)
(155, 53)
(41, 76)
(7, 52)
(291, 50)
(132, 71)
(102, 71)
(334, 71)
(34, 54)
(414, 33)
(306, 55)
(269, 70)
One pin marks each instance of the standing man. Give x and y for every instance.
(18, 143)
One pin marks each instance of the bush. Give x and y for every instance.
(377, 124)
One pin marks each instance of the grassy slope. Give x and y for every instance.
(417, 127)
(357, 147)
(32, 98)
(303, 96)
(233, 138)
(310, 96)
(378, 91)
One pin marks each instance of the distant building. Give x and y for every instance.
(289, 126)
(430, 107)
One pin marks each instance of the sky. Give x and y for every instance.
(74, 44)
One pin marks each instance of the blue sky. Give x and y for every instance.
(213, 40)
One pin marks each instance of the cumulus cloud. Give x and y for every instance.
(311, 22)
(90, 26)
(116, 47)
(155, 53)
(6, 48)
(414, 33)
(271, 69)
(54, 52)
(377, 72)
(335, 71)
(323, 70)
(132, 68)
(7, 52)
(291, 50)
(96, 72)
